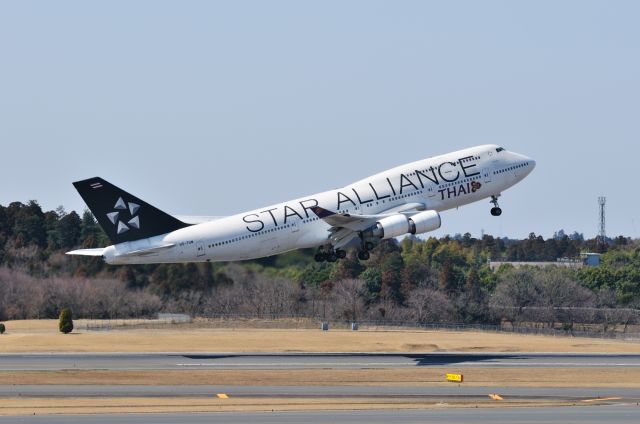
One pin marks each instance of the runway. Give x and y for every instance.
(616, 414)
(180, 361)
(458, 392)
(614, 405)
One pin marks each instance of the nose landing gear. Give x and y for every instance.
(495, 210)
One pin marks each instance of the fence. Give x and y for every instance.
(531, 328)
(292, 321)
(108, 324)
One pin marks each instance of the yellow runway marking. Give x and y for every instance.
(223, 396)
(458, 378)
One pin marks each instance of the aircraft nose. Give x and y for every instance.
(532, 163)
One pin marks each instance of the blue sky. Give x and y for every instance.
(212, 108)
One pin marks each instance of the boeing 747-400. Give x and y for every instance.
(403, 200)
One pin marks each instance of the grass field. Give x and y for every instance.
(28, 406)
(42, 336)
(418, 376)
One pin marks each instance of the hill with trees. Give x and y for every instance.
(419, 280)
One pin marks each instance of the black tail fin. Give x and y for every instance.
(122, 216)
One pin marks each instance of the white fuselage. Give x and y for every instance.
(438, 183)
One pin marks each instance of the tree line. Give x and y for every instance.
(428, 280)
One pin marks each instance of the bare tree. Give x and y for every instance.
(349, 298)
(516, 290)
(430, 306)
(23, 297)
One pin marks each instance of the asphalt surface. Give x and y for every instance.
(615, 414)
(454, 391)
(174, 361)
(621, 408)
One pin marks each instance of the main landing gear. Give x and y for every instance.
(329, 255)
(495, 210)
(363, 255)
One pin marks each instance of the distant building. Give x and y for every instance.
(586, 259)
(590, 259)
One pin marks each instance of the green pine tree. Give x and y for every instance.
(66, 321)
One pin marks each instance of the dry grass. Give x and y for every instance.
(418, 376)
(42, 336)
(28, 406)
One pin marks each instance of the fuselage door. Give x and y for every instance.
(490, 165)
(487, 175)
(200, 249)
(294, 227)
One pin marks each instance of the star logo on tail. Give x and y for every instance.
(125, 216)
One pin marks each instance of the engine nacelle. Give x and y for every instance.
(399, 224)
(391, 226)
(424, 221)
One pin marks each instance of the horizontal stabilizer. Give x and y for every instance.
(147, 251)
(87, 252)
(193, 220)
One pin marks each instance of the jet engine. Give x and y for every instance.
(400, 224)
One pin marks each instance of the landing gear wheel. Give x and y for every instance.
(368, 246)
(363, 255)
(320, 257)
(331, 257)
(495, 210)
(341, 254)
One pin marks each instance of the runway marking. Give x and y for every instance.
(601, 399)
(222, 396)
(494, 396)
(456, 378)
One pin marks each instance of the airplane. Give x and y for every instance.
(403, 200)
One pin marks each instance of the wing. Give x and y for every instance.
(345, 227)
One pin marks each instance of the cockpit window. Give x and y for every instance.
(499, 149)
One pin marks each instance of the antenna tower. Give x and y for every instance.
(602, 233)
